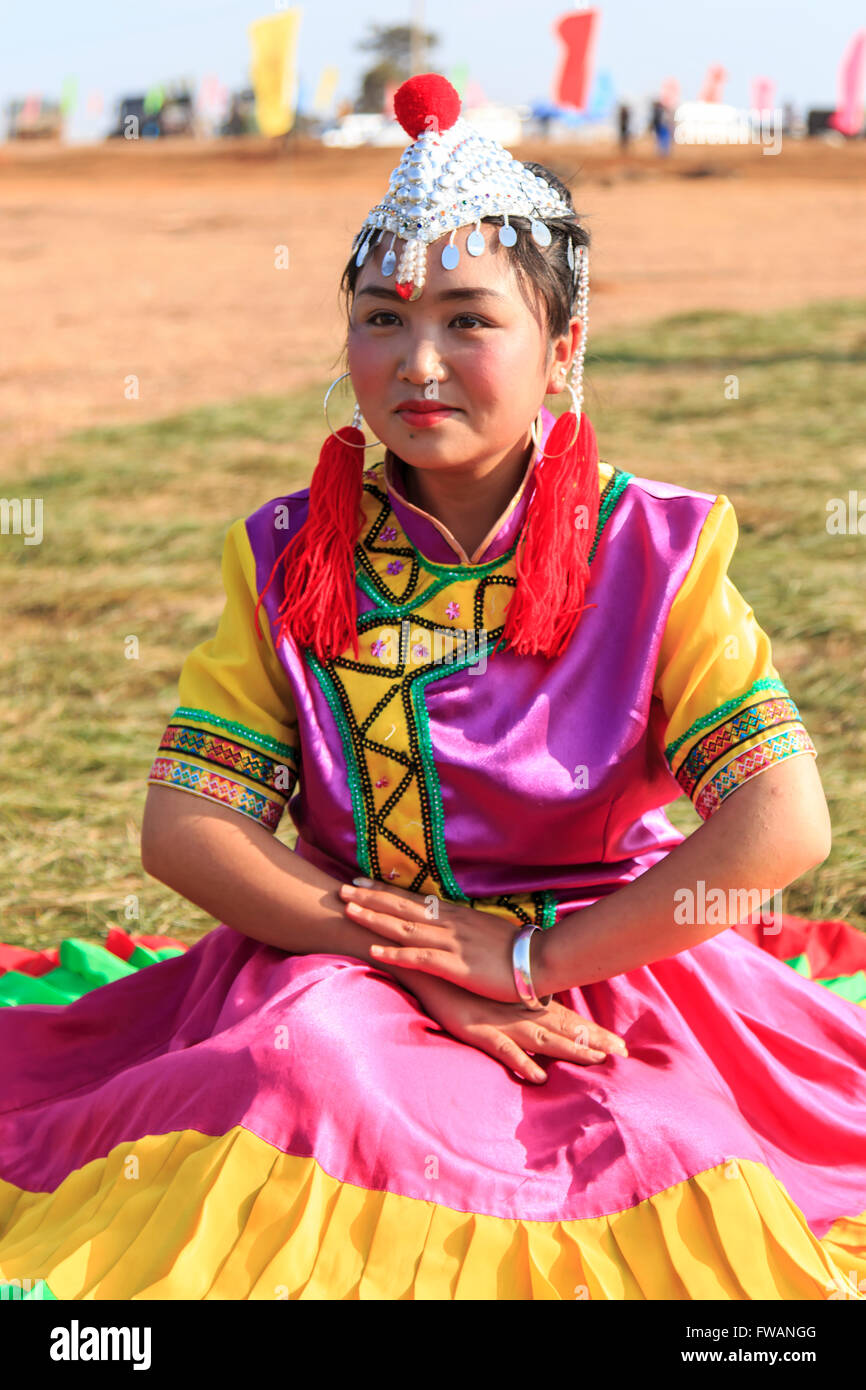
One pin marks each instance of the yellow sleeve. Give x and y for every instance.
(234, 735)
(726, 713)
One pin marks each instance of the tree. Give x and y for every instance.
(392, 47)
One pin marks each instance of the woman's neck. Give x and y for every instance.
(468, 508)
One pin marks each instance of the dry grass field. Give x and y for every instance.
(157, 261)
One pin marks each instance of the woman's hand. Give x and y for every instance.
(509, 1032)
(451, 940)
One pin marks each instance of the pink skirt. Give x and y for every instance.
(234, 1122)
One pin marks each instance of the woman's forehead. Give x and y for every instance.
(492, 271)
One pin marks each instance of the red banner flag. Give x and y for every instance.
(763, 91)
(849, 117)
(669, 95)
(577, 31)
(714, 83)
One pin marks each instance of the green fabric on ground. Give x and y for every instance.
(851, 987)
(90, 959)
(801, 965)
(36, 1289)
(17, 988)
(84, 966)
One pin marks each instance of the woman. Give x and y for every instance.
(494, 661)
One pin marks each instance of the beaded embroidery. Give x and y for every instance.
(378, 701)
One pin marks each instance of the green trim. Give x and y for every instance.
(351, 761)
(706, 720)
(548, 911)
(463, 571)
(611, 495)
(609, 500)
(431, 777)
(272, 745)
(392, 610)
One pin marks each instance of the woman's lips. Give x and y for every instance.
(426, 417)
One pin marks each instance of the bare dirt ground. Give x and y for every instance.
(157, 260)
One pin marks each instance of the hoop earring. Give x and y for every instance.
(577, 412)
(356, 418)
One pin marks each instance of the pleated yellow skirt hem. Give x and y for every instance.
(193, 1216)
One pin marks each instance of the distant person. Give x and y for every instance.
(624, 125)
(660, 125)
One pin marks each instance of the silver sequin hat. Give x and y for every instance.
(450, 177)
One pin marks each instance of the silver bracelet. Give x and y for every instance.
(522, 973)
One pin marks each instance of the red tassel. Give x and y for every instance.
(552, 559)
(319, 608)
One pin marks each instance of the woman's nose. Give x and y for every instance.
(422, 361)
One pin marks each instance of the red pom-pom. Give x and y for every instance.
(426, 102)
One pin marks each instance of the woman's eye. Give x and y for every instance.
(385, 313)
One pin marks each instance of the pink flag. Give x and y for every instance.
(208, 92)
(475, 94)
(714, 83)
(577, 31)
(669, 95)
(763, 92)
(849, 116)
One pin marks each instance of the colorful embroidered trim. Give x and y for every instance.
(716, 715)
(754, 760)
(224, 752)
(753, 720)
(249, 735)
(200, 782)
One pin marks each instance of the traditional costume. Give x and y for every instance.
(230, 1121)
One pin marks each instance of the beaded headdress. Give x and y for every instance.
(450, 177)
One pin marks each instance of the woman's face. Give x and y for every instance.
(480, 351)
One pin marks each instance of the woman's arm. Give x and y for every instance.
(762, 837)
(242, 875)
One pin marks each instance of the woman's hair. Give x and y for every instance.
(543, 273)
(552, 560)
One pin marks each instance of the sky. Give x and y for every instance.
(508, 44)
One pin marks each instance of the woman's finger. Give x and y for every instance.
(441, 963)
(584, 1031)
(381, 899)
(535, 1037)
(507, 1051)
(396, 928)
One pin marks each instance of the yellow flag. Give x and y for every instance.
(326, 91)
(274, 70)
